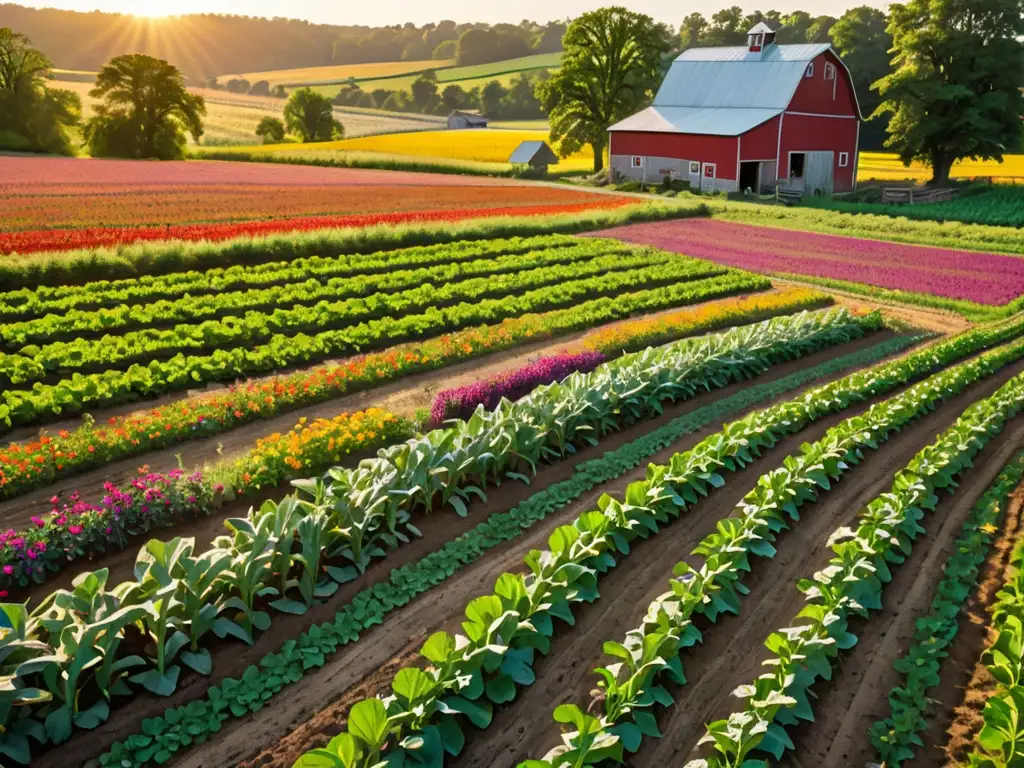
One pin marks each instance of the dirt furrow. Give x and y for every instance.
(732, 650)
(231, 659)
(856, 696)
(624, 594)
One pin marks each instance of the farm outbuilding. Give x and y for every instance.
(755, 117)
(536, 154)
(466, 118)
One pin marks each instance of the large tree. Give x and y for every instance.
(310, 116)
(146, 112)
(954, 91)
(861, 37)
(32, 116)
(610, 67)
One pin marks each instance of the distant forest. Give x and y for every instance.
(206, 45)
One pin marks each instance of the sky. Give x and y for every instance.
(383, 12)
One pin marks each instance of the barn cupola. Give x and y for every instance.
(760, 38)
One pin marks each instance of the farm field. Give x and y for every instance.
(1000, 206)
(978, 285)
(884, 166)
(486, 149)
(315, 75)
(119, 202)
(455, 486)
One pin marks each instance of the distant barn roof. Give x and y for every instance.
(533, 152)
(725, 91)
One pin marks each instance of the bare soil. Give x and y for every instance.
(277, 735)
(231, 659)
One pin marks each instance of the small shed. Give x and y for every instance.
(466, 118)
(536, 154)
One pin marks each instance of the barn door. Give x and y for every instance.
(818, 174)
(709, 173)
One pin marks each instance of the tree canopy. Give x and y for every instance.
(32, 117)
(146, 111)
(610, 69)
(271, 130)
(310, 116)
(954, 88)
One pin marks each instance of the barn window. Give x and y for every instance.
(809, 72)
(638, 161)
(830, 71)
(694, 167)
(844, 159)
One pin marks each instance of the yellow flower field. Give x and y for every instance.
(478, 146)
(885, 166)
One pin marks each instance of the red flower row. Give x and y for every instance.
(30, 241)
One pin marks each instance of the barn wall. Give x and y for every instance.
(819, 96)
(801, 133)
(679, 147)
(762, 142)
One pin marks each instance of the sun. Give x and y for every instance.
(150, 9)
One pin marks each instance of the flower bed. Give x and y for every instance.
(980, 278)
(460, 402)
(31, 241)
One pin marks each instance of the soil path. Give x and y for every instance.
(624, 594)
(404, 397)
(851, 744)
(231, 659)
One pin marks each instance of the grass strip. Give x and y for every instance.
(236, 697)
(168, 257)
(895, 736)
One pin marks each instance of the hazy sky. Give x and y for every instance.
(380, 12)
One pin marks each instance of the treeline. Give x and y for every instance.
(203, 46)
(517, 101)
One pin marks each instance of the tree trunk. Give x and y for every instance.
(942, 164)
(598, 157)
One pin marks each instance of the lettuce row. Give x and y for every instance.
(852, 583)
(79, 392)
(286, 288)
(283, 550)
(236, 697)
(654, 648)
(96, 294)
(1000, 743)
(499, 295)
(895, 737)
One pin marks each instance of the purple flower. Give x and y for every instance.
(8, 569)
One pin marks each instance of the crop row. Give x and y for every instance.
(95, 294)
(1000, 743)
(236, 697)
(448, 305)
(628, 685)
(895, 737)
(38, 462)
(466, 675)
(851, 584)
(79, 392)
(280, 550)
(399, 291)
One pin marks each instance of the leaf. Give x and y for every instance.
(368, 722)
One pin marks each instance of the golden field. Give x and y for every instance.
(340, 72)
(472, 146)
(884, 166)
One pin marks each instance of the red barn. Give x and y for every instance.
(752, 117)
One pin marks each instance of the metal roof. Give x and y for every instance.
(529, 151)
(773, 53)
(715, 121)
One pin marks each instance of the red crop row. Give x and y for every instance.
(31, 241)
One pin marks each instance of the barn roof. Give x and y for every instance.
(725, 91)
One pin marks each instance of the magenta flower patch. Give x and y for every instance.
(983, 278)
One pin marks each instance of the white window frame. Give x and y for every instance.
(694, 168)
(637, 161)
(830, 71)
(844, 159)
(809, 72)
